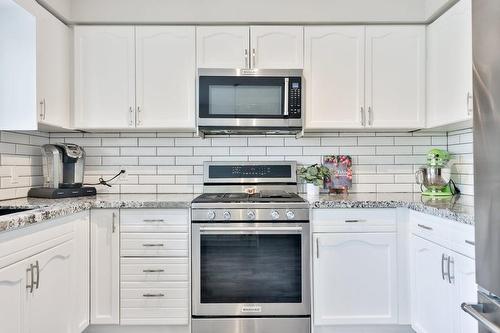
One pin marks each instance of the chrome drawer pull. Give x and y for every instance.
(470, 242)
(30, 272)
(443, 259)
(153, 220)
(153, 271)
(354, 221)
(37, 282)
(424, 227)
(153, 245)
(153, 295)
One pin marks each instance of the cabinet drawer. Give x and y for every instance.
(154, 244)
(169, 290)
(354, 220)
(154, 220)
(154, 316)
(453, 235)
(154, 269)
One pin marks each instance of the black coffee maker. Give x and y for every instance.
(63, 172)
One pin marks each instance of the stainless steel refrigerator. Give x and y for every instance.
(486, 69)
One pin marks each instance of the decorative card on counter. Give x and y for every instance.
(340, 167)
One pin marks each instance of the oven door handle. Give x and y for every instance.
(287, 90)
(250, 229)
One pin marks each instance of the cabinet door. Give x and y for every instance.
(49, 307)
(334, 75)
(463, 270)
(430, 291)
(395, 76)
(449, 66)
(53, 65)
(355, 279)
(104, 77)
(277, 46)
(166, 77)
(223, 47)
(104, 266)
(14, 295)
(81, 274)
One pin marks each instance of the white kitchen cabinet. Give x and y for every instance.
(334, 72)
(53, 70)
(81, 274)
(463, 269)
(430, 290)
(355, 279)
(369, 77)
(13, 303)
(223, 47)
(48, 304)
(263, 47)
(449, 67)
(105, 266)
(166, 77)
(104, 89)
(395, 76)
(276, 47)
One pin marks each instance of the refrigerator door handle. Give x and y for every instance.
(476, 311)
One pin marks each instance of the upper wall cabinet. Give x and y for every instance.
(365, 77)
(263, 47)
(395, 76)
(135, 77)
(50, 76)
(449, 67)
(335, 77)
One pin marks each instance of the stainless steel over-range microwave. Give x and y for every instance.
(249, 101)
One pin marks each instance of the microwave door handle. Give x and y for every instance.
(287, 89)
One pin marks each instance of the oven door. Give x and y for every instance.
(251, 269)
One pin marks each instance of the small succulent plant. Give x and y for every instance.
(314, 174)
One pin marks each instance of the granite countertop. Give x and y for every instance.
(46, 209)
(42, 210)
(455, 208)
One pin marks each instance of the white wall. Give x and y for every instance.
(238, 11)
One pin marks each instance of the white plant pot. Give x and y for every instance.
(312, 191)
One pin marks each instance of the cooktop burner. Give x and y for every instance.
(261, 197)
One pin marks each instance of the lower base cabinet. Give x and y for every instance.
(355, 279)
(40, 291)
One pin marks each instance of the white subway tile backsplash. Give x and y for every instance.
(173, 162)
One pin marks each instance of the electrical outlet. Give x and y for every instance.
(124, 176)
(14, 178)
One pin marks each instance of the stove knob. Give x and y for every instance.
(226, 215)
(290, 214)
(251, 215)
(211, 214)
(275, 215)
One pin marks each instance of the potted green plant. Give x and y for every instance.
(314, 176)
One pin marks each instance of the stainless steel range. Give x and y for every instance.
(250, 245)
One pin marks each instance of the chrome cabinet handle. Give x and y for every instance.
(354, 221)
(443, 259)
(153, 270)
(153, 245)
(153, 220)
(30, 274)
(451, 270)
(43, 109)
(470, 242)
(363, 116)
(113, 226)
(370, 116)
(423, 226)
(131, 113)
(153, 295)
(253, 57)
(469, 100)
(317, 248)
(139, 121)
(37, 282)
(246, 58)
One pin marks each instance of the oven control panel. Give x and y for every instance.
(250, 215)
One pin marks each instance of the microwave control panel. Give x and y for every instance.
(294, 97)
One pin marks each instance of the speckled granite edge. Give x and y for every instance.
(416, 206)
